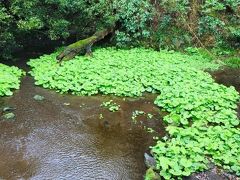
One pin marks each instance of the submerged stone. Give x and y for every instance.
(38, 98)
(150, 162)
(8, 108)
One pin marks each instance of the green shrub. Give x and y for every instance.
(25, 24)
(9, 79)
(202, 123)
(173, 24)
(213, 22)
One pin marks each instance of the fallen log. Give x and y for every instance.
(74, 49)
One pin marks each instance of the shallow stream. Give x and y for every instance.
(62, 137)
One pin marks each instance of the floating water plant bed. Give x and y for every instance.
(9, 79)
(202, 120)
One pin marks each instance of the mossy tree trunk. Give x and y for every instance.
(74, 49)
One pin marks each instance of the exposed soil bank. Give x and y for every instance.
(50, 140)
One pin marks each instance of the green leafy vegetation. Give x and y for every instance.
(9, 79)
(190, 149)
(172, 24)
(150, 130)
(151, 175)
(149, 115)
(137, 113)
(29, 23)
(202, 122)
(118, 72)
(101, 116)
(181, 23)
(233, 62)
(112, 106)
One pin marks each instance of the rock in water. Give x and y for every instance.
(8, 108)
(38, 98)
(149, 161)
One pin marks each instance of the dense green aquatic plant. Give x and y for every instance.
(188, 148)
(9, 79)
(111, 71)
(202, 123)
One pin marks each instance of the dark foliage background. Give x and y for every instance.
(169, 24)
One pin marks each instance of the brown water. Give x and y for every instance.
(50, 140)
(228, 77)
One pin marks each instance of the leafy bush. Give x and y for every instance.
(213, 22)
(202, 121)
(9, 79)
(172, 24)
(135, 17)
(23, 23)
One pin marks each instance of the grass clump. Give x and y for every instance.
(202, 122)
(9, 79)
(233, 62)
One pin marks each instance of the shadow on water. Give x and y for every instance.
(62, 137)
